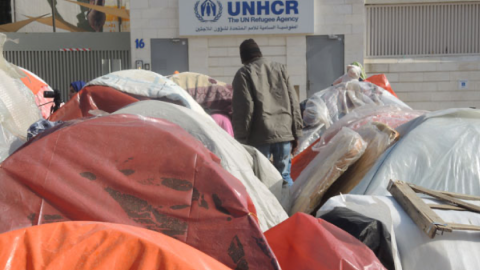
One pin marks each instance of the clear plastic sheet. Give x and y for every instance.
(213, 95)
(234, 158)
(138, 171)
(437, 151)
(378, 137)
(147, 84)
(412, 248)
(333, 159)
(340, 100)
(304, 242)
(95, 246)
(17, 106)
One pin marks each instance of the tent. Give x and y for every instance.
(213, 95)
(90, 245)
(305, 242)
(411, 247)
(17, 106)
(137, 171)
(437, 151)
(259, 176)
(114, 91)
(330, 105)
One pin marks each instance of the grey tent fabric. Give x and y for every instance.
(438, 151)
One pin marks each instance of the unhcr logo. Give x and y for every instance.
(208, 11)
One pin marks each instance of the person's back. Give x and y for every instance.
(266, 112)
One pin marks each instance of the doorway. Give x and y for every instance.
(325, 61)
(169, 55)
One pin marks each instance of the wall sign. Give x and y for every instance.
(230, 17)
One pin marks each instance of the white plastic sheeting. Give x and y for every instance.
(148, 84)
(17, 107)
(333, 159)
(412, 248)
(438, 151)
(234, 158)
(330, 105)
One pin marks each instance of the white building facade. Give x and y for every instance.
(437, 67)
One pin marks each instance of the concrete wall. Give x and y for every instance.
(432, 83)
(219, 56)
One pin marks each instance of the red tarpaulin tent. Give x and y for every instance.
(137, 171)
(305, 242)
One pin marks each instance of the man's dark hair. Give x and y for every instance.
(249, 51)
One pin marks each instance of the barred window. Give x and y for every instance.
(423, 29)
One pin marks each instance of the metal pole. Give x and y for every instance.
(53, 16)
(119, 4)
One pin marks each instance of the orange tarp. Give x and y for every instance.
(91, 246)
(382, 81)
(305, 242)
(138, 171)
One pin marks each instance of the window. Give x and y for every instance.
(423, 29)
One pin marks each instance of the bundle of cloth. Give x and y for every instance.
(214, 96)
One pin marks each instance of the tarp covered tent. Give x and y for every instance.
(112, 92)
(213, 95)
(38, 87)
(91, 245)
(138, 171)
(391, 115)
(304, 242)
(437, 151)
(411, 247)
(17, 106)
(330, 105)
(234, 158)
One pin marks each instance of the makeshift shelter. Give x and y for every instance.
(333, 159)
(90, 246)
(261, 179)
(213, 95)
(330, 105)
(412, 249)
(304, 242)
(437, 151)
(138, 171)
(17, 106)
(118, 89)
(390, 115)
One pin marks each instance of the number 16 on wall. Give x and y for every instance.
(139, 44)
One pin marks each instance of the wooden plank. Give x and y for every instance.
(122, 13)
(418, 210)
(446, 207)
(461, 196)
(447, 198)
(464, 227)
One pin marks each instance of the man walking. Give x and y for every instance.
(266, 113)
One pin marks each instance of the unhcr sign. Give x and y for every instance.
(230, 17)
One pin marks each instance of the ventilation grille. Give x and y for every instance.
(59, 68)
(424, 29)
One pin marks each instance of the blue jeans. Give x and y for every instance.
(281, 158)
